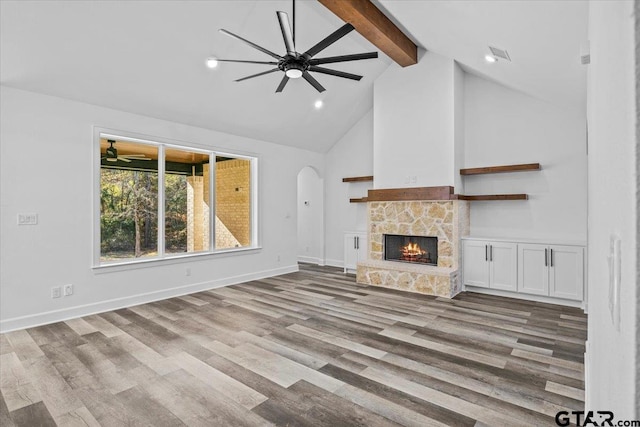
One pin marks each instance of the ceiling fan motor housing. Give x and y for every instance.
(112, 153)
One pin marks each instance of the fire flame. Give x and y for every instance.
(412, 250)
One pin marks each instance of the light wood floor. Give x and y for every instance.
(308, 348)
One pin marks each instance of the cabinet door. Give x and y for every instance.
(363, 248)
(475, 263)
(533, 270)
(503, 263)
(566, 271)
(350, 252)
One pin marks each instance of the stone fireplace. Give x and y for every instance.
(444, 221)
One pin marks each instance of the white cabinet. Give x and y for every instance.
(545, 272)
(490, 264)
(475, 263)
(533, 269)
(355, 250)
(551, 270)
(566, 272)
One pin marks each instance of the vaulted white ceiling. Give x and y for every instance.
(148, 58)
(543, 38)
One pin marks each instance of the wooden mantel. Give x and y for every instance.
(430, 193)
(415, 193)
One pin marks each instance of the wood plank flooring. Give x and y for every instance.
(311, 348)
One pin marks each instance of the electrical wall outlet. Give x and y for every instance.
(68, 290)
(56, 292)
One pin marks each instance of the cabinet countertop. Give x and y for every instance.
(542, 241)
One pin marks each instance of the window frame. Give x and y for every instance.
(162, 257)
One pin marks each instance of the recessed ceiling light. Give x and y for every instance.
(318, 104)
(212, 62)
(490, 58)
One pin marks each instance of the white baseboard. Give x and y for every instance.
(12, 324)
(310, 260)
(334, 263)
(527, 297)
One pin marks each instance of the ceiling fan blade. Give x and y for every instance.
(308, 77)
(343, 58)
(124, 159)
(282, 84)
(253, 45)
(287, 35)
(135, 157)
(334, 73)
(259, 74)
(248, 62)
(329, 40)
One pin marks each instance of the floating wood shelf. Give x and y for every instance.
(358, 179)
(487, 197)
(501, 169)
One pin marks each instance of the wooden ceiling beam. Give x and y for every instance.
(369, 21)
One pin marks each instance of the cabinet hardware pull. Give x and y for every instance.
(546, 263)
(551, 258)
(486, 253)
(354, 242)
(491, 253)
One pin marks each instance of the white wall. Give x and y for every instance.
(310, 216)
(502, 127)
(611, 112)
(413, 119)
(46, 168)
(459, 124)
(352, 155)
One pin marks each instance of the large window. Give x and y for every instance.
(159, 200)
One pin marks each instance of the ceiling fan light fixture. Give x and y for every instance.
(490, 59)
(293, 70)
(294, 73)
(318, 104)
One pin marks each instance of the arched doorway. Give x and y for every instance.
(310, 216)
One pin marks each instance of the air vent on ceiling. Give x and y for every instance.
(500, 53)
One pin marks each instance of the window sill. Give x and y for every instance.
(173, 259)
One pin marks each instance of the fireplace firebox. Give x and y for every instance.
(414, 249)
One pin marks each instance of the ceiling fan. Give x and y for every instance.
(111, 154)
(295, 64)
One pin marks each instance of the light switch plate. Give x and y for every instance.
(27, 219)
